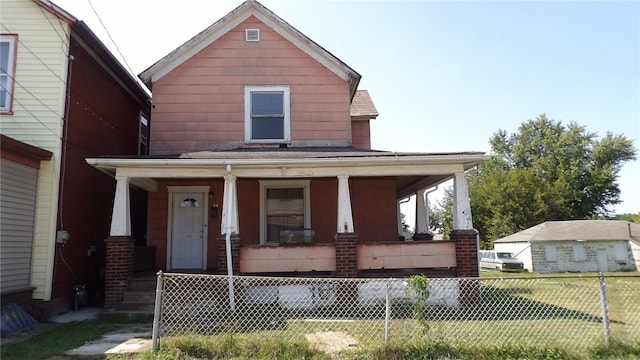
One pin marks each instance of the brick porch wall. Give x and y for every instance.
(467, 263)
(235, 254)
(119, 266)
(346, 255)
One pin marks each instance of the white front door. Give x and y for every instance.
(188, 231)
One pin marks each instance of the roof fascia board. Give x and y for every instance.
(235, 18)
(29, 151)
(56, 10)
(189, 49)
(274, 171)
(189, 168)
(307, 46)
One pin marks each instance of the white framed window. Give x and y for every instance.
(579, 253)
(284, 205)
(7, 70)
(266, 114)
(551, 253)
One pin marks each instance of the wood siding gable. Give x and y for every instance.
(232, 20)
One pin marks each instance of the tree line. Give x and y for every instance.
(546, 171)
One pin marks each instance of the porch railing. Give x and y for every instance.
(322, 257)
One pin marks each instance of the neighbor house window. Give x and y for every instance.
(7, 70)
(284, 205)
(620, 252)
(551, 252)
(267, 114)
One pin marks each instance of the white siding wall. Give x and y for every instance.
(565, 261)
(38, 109)
(522, 251)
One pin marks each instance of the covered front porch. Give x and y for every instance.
(350, 225)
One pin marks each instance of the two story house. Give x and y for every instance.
(261, 163)
(63, 97)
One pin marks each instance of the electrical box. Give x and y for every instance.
(62, 236)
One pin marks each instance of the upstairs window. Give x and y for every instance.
(267, 117)
(7, 71)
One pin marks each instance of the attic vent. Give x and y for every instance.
(252, 34)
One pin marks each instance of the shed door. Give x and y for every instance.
(17, 213)
(188, 228)
(603, 265)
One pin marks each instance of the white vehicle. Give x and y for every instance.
(501, 261)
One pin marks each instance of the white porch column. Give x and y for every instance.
(421, 213)
(461, 204)
(121, 216)
(345, 217)
(229, 224)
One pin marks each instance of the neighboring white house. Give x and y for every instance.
(576, 246)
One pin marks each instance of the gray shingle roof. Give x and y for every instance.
(362, 106)
(576, 230)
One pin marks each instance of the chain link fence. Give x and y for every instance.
(546, 311)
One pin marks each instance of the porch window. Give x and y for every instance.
(267, 114)
(7, 70)
(284, 205)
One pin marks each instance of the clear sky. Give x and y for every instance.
(444, 76)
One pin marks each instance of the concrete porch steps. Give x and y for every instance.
(140, 295)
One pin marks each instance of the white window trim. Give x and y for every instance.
(271, 184)
(11, 70)
(248, 89)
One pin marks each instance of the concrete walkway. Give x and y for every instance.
(132, 339)
(129, 338)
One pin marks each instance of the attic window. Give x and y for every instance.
(252, 34)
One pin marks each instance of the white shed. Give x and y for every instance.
(576, 246)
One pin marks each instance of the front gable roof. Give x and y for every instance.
(247, 9)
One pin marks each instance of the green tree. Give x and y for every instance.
(545, 171)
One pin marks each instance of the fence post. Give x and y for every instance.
(156, 313)
(387, 316)
(605, 310)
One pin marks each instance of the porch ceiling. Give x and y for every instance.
(408, 185)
